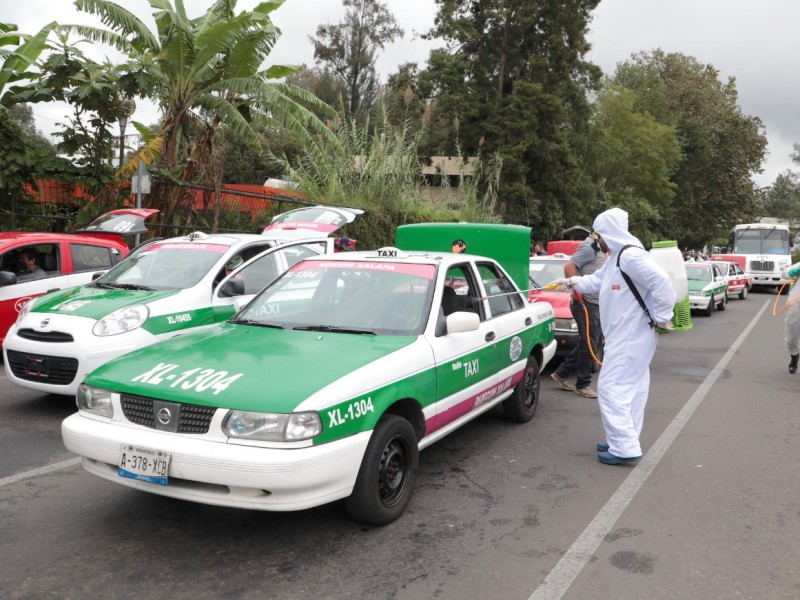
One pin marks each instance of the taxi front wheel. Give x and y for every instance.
(521, 405)
(387, 474)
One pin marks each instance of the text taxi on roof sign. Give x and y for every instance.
(325, 386)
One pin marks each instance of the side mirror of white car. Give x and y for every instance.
(459, 322)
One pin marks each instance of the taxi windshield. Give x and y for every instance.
(164, 267)
(698, 273)
(543, 272)
(363, 297)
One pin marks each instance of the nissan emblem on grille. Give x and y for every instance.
(164, 416)
(44, 323)
(167, 415)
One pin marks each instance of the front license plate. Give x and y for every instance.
(144, 464)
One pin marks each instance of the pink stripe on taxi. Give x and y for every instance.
(465, 406)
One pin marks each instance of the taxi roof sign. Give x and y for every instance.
(390, 252)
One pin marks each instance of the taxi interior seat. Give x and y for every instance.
(49, 262)
(450, 301)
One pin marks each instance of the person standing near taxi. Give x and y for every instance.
(587, 259)
(792, 319)
(629, 314)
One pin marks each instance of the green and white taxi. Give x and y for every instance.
(325, 386)
(165, 288)
(707, 287)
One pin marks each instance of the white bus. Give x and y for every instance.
(766, 249)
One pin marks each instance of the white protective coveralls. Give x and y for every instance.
(793, 313)
(624, 381)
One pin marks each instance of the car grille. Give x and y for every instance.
(762, 265)
(45, 336)
(56, 370)
(193, 418)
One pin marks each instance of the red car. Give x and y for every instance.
(543, 270)
(62, 260)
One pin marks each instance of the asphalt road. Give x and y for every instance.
(501, 511)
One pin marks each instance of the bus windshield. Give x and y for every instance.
(761, 241)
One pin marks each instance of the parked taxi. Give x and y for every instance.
(395, 359)
(708, 289)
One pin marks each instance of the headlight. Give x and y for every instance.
(122, 320)
(272, 426)
(24, 310)
(95, 400)
(566, 325)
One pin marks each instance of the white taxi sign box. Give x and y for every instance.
(144, 464)
(390, 252)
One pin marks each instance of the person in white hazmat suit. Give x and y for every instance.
(630, 334)
(793, 318)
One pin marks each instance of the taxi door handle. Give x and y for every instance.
(528, 320)
(489, 336)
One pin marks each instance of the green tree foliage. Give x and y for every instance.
(206, 73)
(348, 51)
(402, 98)
(375, 166)
(513, 79)
(783, 197)
(721, 148)
(18, 61)
(629, 158)
(320, 82)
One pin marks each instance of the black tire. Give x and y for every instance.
(743, 293)
(521, 405)
(387, 474)
(724, 303)
(710, 308)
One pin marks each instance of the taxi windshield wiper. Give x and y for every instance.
(333, 329)
(256, 323)
(129, 286)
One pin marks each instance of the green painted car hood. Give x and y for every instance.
(699, 286)
(280, 368)
(95, 302)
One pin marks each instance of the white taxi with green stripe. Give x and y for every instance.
(708, 288)
(165, 288)
(325, 386)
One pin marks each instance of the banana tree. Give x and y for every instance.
(16, 62)
(206, 73)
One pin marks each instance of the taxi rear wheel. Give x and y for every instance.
(743, 293)
(387, 474)
(521, 405)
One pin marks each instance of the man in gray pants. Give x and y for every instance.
(587, 259)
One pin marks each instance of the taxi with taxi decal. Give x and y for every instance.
(165, 288)
(323, 387)
(708, 289)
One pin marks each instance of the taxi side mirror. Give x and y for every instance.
(460, 322)
(7, 278)
(232, 287)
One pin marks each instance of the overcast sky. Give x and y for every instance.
(755, 42)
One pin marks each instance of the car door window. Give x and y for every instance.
(499, 290)
(90, 258)
(262, 271)
(46, 262)
(461, 294)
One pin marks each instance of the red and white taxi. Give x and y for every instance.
(739, 282)
(64, 260)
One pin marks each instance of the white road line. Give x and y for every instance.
(40, 471)
(567, 569)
